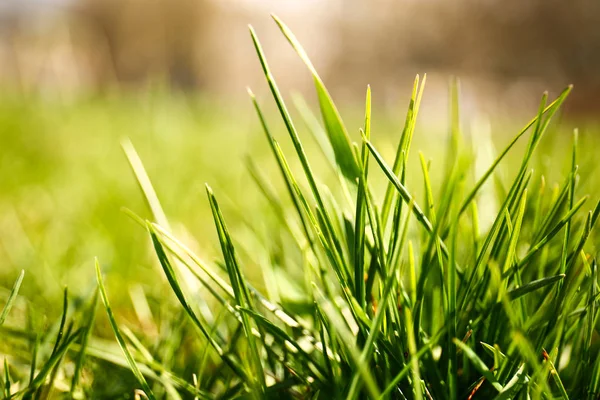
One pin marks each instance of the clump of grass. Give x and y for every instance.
(401, 297)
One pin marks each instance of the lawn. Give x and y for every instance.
(382, 257)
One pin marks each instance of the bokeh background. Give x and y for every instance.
(95, 46)
(77, 76)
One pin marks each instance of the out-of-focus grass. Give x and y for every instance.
(64, 179)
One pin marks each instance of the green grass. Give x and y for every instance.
(357, 273)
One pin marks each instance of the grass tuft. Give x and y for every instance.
(380, 283)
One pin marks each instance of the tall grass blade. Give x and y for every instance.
(120, 340)
(336, 130)
(241, 292)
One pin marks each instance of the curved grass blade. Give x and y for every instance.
(174, 282)
(155, 371)
(519, 379)
(113, 323)
(322, 222)
(49, 365)
(543, 241)
(550, 109)
(532, 286)
(276, 310)
(152, 200)
(336, 131)
(419, 214)
(478, 364)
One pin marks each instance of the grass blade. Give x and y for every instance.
(478, 364)
(532, 286)
(11, 297)
(113, 323)
(241, 292)
(336, 131)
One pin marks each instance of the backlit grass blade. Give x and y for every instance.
(113, 323)
(156, 371)
(11, 297)
(63, 320)
(7, 380)
(403, 148)
(532, 286)
(513, 386)
(318, 132)
(222, 284)
(550, 109)
(539, 245)
(451, 316)
(359, 218)
(570, 200)
(517, 188)
(594, 389)
(557, 380)
(174, 282)
(419, 214)
(284, 338)
(481, 367)
(290, 183)
(406, 369)
(324, 223)
(145, 184)
(151, 198)
(287, 119)
(336, 131)
(240, 290)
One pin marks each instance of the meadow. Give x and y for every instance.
(178, 247)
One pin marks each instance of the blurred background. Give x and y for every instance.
(504, 48)
(76, 76)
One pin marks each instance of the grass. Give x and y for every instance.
(447, 281)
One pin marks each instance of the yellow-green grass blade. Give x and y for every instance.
(120, 340)
(481, 367)
(241, 292)
(11, 297)
(143, 180)
(336, 130)
(183, 300)
(404, 143)
(550, 110)
(359, 219)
